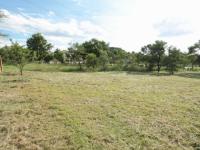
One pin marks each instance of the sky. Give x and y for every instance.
(129, 24)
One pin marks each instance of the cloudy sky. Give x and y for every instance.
(129, 24)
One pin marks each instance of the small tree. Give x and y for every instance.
(49, 57)
(173, 59)
(103, 60)
(1, 64)
(91, 61)
(154, 54)
(59, 55)
(77, 54)
(193, 53)
(19, 56)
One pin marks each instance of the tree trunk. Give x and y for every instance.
(158, 64)
(192, 67)
(21, 70)
(80, 65)
(158, 69)
(1, 65)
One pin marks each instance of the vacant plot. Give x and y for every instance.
(99, 111)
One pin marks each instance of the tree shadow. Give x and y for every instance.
(148, 73)
(8, 74)
(15, 81)
(194, 75)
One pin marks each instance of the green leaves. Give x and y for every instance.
(37, 43)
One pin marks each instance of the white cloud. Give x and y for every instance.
(134, 23)
(51, 13)
(68, 30)
(129, 24)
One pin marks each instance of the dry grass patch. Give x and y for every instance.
(99, 111)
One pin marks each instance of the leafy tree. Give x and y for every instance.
(19, 56)
(59, 55)
(103, 60)
(49, 57)
(5, 54)
(146, 58)
(39, 46)
(198, 60)
(117, 55)
(173, 59)
(77, 54)
(193, 53)
(131, 62)
(184, 59)
(95, 46)
(91, 61)
(155, 53)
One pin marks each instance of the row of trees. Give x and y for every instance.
(95, 54)
(98, 55)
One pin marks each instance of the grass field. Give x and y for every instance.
(116, 110)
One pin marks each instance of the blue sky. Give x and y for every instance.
(129, 24)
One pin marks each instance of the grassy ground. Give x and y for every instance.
(45, 110)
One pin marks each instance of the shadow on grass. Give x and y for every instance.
(15, 81)
(194, 75)
(55, 70)
(9, 74)
(149, 73)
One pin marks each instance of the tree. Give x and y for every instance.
(155, 53)
(173, 59)
(117, 57)
(193, 53)
(95, 46)
(103, 60)
(146, 57)
(59, 55)
(19, 56)
(39, 46)
(77, 54)
(131, 64)
(91, 61)
(49, 57)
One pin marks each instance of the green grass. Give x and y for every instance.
(51, 68)
(116, 110)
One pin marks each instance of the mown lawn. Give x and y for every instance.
(46, 110)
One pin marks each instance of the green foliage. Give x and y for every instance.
(154, 54)
(59, 55)
(151, 57)
(49, 57)
(173, 59)
(95, 46)
(193, 54)
(77, 54)
(117, 55)
(38, 46)
(103, 60)
(5, 53)
(19, 56)
(91, 61)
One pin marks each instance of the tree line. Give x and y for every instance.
(97, 55)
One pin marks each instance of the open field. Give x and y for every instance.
(116, 110)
